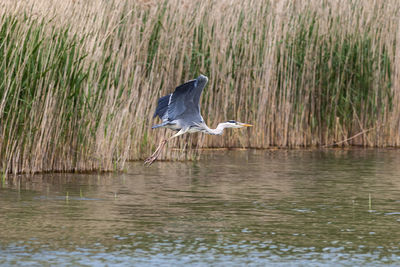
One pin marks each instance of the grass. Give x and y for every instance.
(79, 80)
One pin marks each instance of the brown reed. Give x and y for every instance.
(80, 79)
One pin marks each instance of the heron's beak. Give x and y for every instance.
(246, 125)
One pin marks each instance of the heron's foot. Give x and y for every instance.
(156, 154)
(151, 159)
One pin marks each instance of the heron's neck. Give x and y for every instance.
(219, 130)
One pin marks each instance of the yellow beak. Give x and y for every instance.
(246, 125)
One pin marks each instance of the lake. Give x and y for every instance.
(244, 207)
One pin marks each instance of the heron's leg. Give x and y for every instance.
(181, 131)
(157, 153)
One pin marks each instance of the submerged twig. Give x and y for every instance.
(350, 138)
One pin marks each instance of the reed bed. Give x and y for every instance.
(79, 80)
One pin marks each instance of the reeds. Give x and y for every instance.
(79, 80)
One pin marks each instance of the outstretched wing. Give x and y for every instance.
(162, 106)
(183, 103)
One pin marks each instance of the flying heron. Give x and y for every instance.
(180, 111)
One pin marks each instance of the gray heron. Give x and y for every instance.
(180, 111)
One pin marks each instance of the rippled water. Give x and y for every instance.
(232, 207)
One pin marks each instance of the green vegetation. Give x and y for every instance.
(79, 81)
(52, 103)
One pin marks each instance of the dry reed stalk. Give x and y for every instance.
(80, 79)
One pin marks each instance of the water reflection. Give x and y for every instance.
(259, 207)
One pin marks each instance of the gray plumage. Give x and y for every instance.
(181, 109)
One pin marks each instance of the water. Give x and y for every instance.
(240, 208)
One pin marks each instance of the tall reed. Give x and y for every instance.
(79, 80)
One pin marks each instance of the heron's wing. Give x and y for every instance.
(201, 83)
(162, 106)
(180, 99)
(184, 102)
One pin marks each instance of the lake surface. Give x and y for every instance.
(256, 208)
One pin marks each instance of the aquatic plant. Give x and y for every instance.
(79, 80)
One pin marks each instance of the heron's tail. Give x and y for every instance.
(159, 125)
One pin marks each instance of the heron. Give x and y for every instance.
(180, 111)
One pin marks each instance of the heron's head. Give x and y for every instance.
(236, 124)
